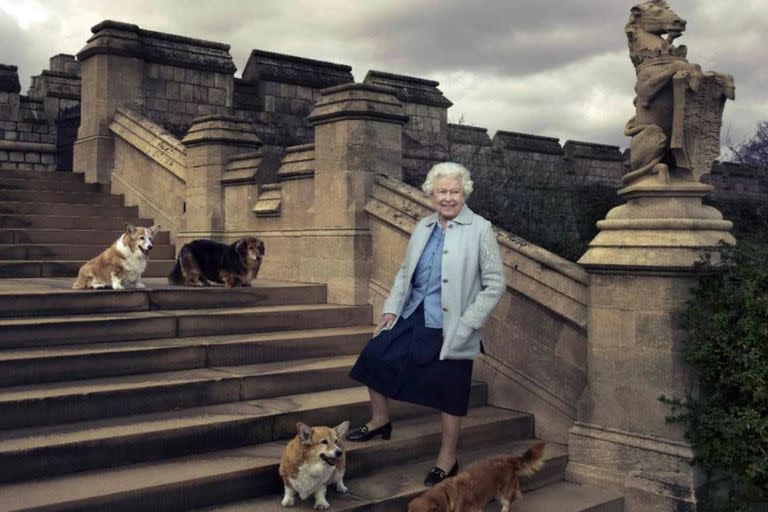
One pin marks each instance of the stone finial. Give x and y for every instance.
(222, 129)
(357, 101)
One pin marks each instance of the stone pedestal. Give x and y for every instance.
(210, 141)
(111, 76)
(640, 278)
(358, 134)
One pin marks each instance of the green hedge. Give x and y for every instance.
(727, 346)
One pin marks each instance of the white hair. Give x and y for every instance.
(448, 170)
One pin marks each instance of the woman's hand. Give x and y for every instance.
(385, 321)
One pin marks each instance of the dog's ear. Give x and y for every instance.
(305, 433)
(129, 228)
(341, 430)
(241, 247)
(154, 229)
(260, 245)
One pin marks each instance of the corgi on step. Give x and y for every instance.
(120, 265)
(311, 461)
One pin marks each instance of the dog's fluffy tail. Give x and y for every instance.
(532, 460)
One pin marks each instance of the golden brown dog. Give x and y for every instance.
(473, 489)
(311, 461)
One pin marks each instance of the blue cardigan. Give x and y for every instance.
(473, 279)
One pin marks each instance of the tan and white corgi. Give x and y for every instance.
(120, 265)
(311, 461)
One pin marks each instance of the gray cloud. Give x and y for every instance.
(537, 66)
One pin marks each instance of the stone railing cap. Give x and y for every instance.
(410, 89)
(300, 60)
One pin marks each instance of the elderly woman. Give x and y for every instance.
(429, 331)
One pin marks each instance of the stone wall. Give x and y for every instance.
(280, 91)
(27, 138)
(59, 86)
(181, 78)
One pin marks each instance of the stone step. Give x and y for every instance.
(55, 296)
(58, 176)
(15, 174)
(83, 210)
(142, 325)
(20, 367)
(40, 268)
(62, 449)
(69, 252)
(73, 401)
(7, 183)
(243, 473)
(49, 196)
(70, 236)
(34, 221)
(392, 488)
(553, 497)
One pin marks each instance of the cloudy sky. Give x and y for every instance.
(548, 67)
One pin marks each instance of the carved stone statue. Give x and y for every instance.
(678, 108)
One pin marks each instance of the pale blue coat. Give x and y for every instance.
(473, 279)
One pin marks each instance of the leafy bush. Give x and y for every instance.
(727, 346)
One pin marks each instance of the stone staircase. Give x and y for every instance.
(176, 399)
(53, 222)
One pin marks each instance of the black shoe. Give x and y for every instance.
(437, 475)
(363, 434)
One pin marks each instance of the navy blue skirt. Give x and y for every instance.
(403, 364)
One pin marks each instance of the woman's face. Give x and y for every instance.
(447, 197)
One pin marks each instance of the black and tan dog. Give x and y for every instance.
(202, 261)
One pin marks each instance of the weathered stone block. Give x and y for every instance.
(166, 72)
(158, 104)
(192, 76)
(153, 70)
(24, 127)
(29, 137)
(200, 93)
(4, 156)
(48, 158)
(187, 92)
(221, 81)
(178, 107)
(32, 158)
(25, 166)
(207, 79)
(17, 156)
(217, 96)
(179, 74)
(4, 97)
(172, 91)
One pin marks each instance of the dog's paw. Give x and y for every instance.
(321, 505)
(340, 487)
(140, 286)
(289, 501)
